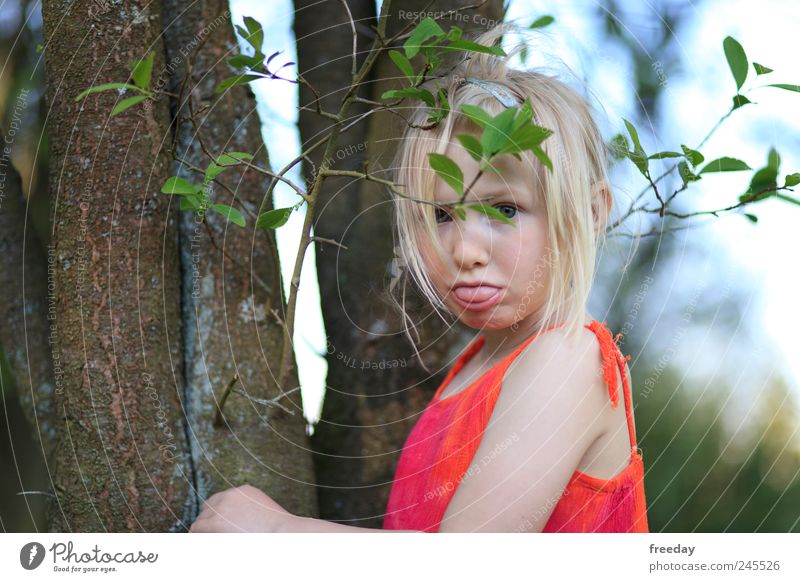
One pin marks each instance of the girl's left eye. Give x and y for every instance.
(507, 207)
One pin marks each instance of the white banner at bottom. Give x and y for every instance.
(399, 556)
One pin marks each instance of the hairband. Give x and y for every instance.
(503, 95)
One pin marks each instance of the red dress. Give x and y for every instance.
(440, 448)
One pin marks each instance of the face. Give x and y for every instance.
(510, 264)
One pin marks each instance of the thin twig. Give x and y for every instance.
(305, 239)
(330, 241)
(37, 493)
(219, 421)
(353, 68)
(270, 401)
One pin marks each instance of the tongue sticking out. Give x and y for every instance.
(474, 294)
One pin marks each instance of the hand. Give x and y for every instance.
(240, 509)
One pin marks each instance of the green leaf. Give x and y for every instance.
(256, 34)
(542, 21)
(402, 63)
(740, 100)
(663, 155)
(274, 218)
(233, 158)
(524, 116)
(543, 157)
(724, 164)
(637, 156)
(795, 88)
(466, 45)
(425, 30)
(448, 170)
(477, 115)
(792, 180)
(686, 174)
(230, 213)
(761, 69)
(751, 217)
(491, 212)
(470, 143)
(142, 69)
(443, 108)
(773, 159)
(422, 94)
(177, 185)
(212, 171)
(618, 147)
(190, 202)
(454, 33)
(241, 61)
(223, 162)
(238, 80)
(106, 87)
(126, 103)
(526, 138)
(695, 158)
(764, 181)
(737, 60)
(496, 134)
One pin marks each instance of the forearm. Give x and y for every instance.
(298, 524)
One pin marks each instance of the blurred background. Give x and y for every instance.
(708, 310)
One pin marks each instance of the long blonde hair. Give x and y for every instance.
(580, 159)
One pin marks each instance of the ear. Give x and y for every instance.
(602, 202)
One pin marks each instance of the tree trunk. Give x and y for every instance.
(231, 279)
(23, 309)
(121, 460)
(378, 386)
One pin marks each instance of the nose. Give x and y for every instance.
(471, 241)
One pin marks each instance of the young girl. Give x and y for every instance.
(526, 432)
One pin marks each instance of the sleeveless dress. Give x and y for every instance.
(438, 452)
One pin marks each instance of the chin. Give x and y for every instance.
(482, 320)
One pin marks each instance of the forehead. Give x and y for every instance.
(517, 179)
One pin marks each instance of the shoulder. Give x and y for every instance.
(563, 373)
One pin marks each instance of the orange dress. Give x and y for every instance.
(438, 452)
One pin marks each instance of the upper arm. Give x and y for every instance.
(547, 415)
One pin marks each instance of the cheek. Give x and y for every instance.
(529, 259)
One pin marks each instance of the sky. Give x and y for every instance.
(695, 97)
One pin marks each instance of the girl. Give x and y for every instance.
(525, 433)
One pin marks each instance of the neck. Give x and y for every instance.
(499, 343)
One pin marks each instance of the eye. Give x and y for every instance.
(441, 214)
(509, 210)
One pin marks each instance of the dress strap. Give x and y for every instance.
(613, 367)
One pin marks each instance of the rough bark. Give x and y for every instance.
(121, 460)
(231, 279)
(24, 309)
(377, 385)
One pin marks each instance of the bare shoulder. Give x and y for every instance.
(565, 371)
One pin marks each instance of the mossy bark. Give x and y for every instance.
(121, 462)
(231, 278)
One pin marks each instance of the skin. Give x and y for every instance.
(479, 249)
(553, 399)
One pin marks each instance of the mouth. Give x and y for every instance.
(477, 297)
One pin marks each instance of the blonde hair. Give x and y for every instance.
(580, 161)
